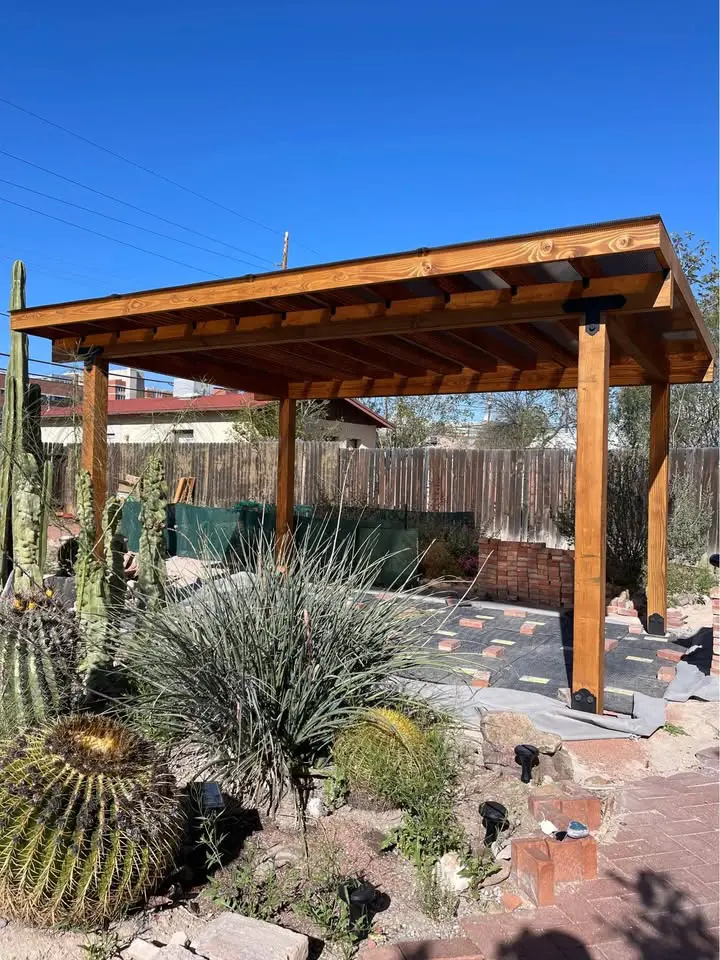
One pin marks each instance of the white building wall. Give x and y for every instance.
(214, 428)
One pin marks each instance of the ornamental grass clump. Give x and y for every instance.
(257, 673)
(89, 822)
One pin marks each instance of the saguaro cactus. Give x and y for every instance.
(153, 512)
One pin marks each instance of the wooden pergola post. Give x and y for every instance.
(590, 513)
(658, 508)
(285, 475)
(94, 457)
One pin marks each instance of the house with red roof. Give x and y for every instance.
(200, 419)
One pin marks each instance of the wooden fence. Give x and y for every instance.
(513, 493)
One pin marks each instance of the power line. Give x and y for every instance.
(152, 173)
(74, 369)
(84, 281)
(104, 236)
(126, 223)
(132, 206)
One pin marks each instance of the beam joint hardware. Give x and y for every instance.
(593, 308)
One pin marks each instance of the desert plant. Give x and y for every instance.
(253, 886)
(689, 583)
(438, 563)
(335, 900)
(89, 822)
(151, 552)
(257, 674)
(388, 755)
(92, 588)
(427, 832)
(690, 519)
(40, 645)
(437, 900)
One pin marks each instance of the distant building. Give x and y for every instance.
(199, 419)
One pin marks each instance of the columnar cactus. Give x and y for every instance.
(91, 588)
(153, 513)
(90, 822)
(39, 649)
(24, 494)
(114, 551)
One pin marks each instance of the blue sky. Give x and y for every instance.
(361, 127)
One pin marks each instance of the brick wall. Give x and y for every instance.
(528, 572)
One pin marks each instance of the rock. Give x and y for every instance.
(504, 731)
(316, 808)
(284, 856)
(139, 949)
(709, 757)
(234, 937)
(500, 877)
(505, 852)
(173, 951)
(179, 937)
(448, 872)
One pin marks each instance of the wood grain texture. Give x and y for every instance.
(584, 241)
(658, 494)
(480, 308)
(94, 456)
(684, 291)
(591, 512)
(285, 499)
(634, 337)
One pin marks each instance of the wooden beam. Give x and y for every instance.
(222, 374)
(453, 348)
(94, 455)
(285, 476)
(583, 241)
(542, 345)
(370, 355)
(669, 259)
(399, 317)
(503, 349)
(415, 354)
(636, 339)
(658, 494)
(590, 516)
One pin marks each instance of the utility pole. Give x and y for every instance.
(286, 244)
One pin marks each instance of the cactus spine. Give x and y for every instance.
(153, 513)
(89, 822)
(39, 647)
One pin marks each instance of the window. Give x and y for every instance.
(353, 444)
(120, 392)
(184, 436)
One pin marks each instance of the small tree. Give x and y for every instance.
(255, 423)
(418, 420)
(530, 419)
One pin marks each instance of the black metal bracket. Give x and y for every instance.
(593, 308)
(584, 700)
(656, 625)
(89, 355)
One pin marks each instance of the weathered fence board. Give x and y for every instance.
(513, 493)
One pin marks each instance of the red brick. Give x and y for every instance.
(471, 622)
(534, 871)
(480, 679)
(494, 651)
(511, 901)
(528, 628)
(514, 612)
(561, 804)
(448, 645)
(610, 644)
(666, 674)
(674, 656)
(574, 860)
(455, 949)
(636, 629)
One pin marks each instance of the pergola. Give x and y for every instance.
(586, 307)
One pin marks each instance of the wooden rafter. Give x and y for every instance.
(417, 355)
(633, 338)
(499, 346)
(544, 347)
(453, 348)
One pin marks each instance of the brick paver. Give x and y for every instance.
(656, 896)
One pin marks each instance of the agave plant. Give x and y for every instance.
(257, 673)
(89, 822)
(40, 647)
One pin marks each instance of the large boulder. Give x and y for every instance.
(502, 732)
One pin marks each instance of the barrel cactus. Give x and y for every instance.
(39, 649)
(387, 755)
(90, 821)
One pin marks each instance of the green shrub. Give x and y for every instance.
(89, 822)
(688, 583)
(428, 832)
(390, 757)
(689, 520)
(255, 677)
(439, 563)
(253, 887)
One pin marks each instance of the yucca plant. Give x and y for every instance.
(388, 754)
(257, 674)
(89, 822)
(40, 646)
